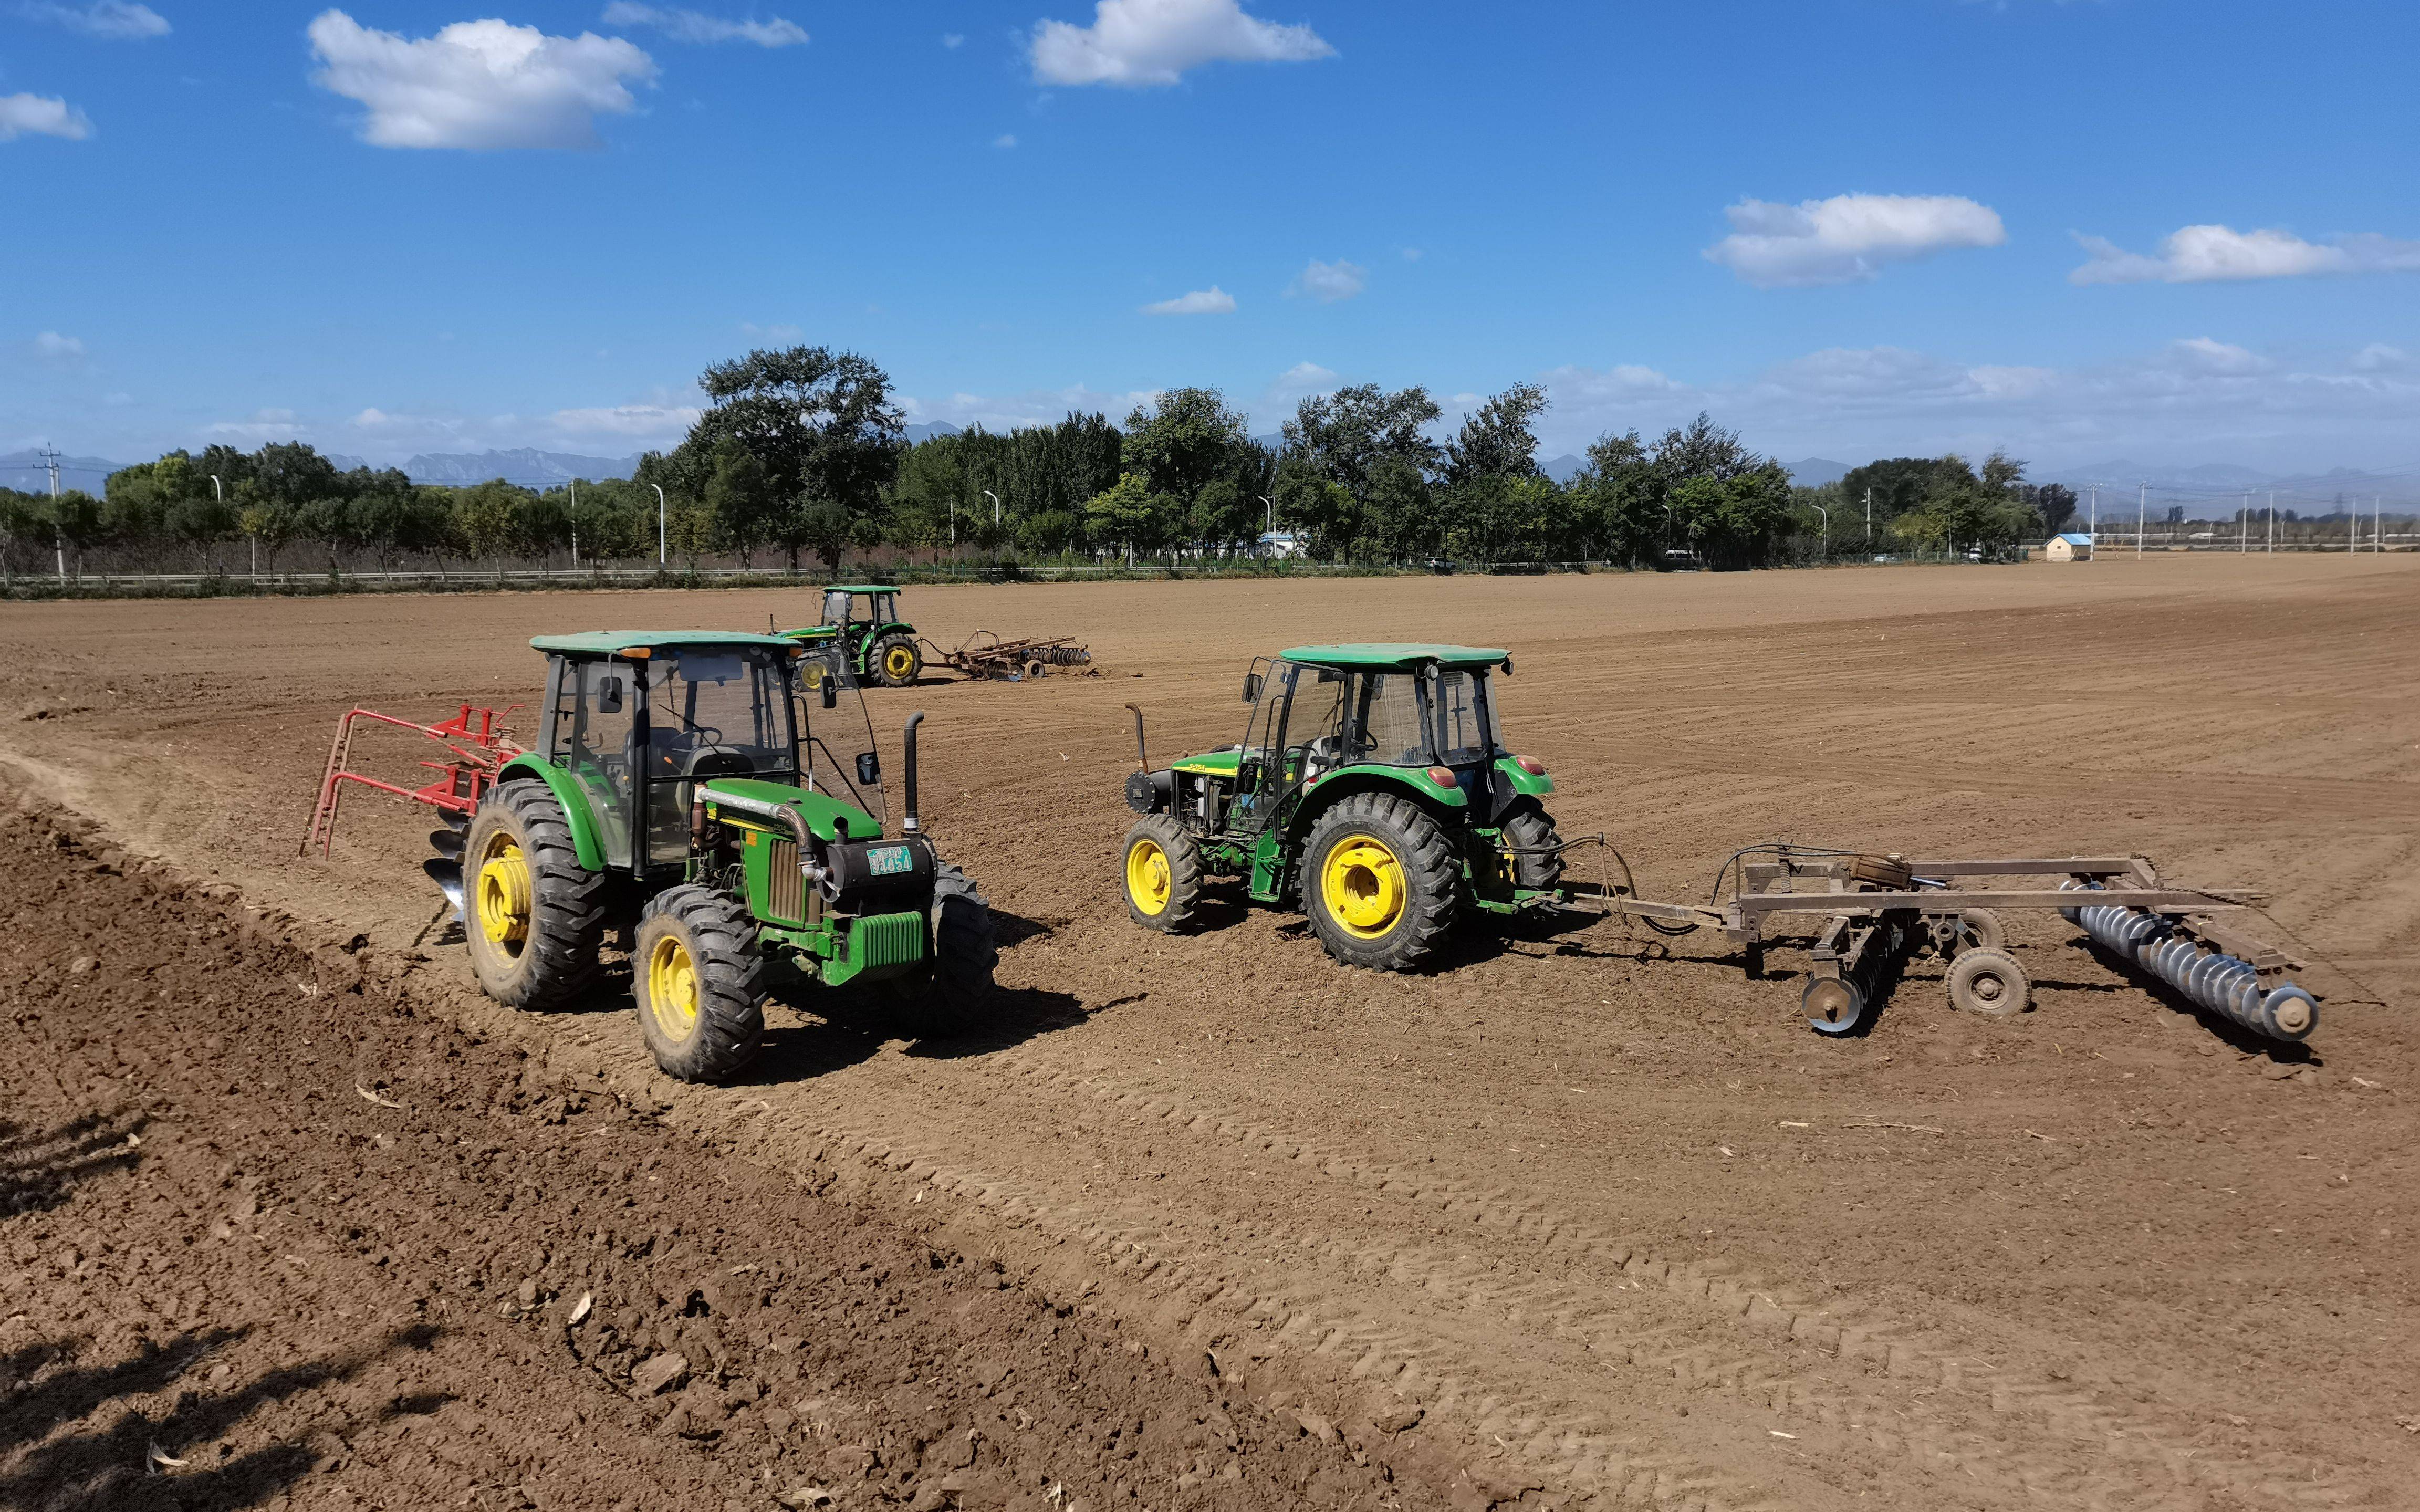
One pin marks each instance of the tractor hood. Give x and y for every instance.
(827, 818)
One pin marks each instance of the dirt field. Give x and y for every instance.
(1619, 1225)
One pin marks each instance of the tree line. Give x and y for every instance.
(802, 453)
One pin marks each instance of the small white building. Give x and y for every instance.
(1281, 544)
(2073, 546)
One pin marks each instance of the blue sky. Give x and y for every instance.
(2168, 230)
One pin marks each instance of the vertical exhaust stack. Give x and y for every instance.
(909, 824)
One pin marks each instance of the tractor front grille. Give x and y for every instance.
(786, 890)
(886, 939)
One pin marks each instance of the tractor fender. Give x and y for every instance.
(575, 805)
(1531, 784)
(1447, 806)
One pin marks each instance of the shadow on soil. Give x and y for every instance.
(111, 1469)
(41, 1169)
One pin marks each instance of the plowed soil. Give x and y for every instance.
(1602, 1211)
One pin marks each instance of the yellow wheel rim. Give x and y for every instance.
(671, 987)
(1147, 881)
(504, 894)
(1362, 884)
(899, 661)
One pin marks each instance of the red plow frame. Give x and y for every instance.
(480, 747)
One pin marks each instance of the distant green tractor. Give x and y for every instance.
(863, 620)
(1371, 789)
(687, 793)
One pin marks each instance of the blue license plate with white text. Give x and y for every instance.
(890, 861)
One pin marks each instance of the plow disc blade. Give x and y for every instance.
(447, 843)
(447, 874)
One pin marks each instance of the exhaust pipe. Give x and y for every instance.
(907, 823)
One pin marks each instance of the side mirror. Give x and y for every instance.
(830, 691)
(869, 769)
(1508, 666)
(609, 696)
(1251, 687)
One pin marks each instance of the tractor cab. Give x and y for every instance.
(862, 619)
(1371, 785)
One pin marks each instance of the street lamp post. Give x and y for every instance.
(659, 523)
(1824, 550)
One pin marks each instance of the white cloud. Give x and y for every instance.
(690, 27)
(2212, 254)
(265, 425)
(56, 347)
(953, 39)
(2378, 357)
(779, 331)
(1210, 300)
(1004, 141)
(627, 420)
(21, 114)
(1306, 377)
(477, 84)
(115, 20)
(1847, 238)
(2214, 356)
(1329, 282)
(1138, 43)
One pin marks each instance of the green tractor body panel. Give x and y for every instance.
(1523, 781)
(576, 812)
(827, 816)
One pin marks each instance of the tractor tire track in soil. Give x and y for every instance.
(269, 1236)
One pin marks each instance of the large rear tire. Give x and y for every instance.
(947, 996)
(895, 661)
(534, 918)
(1379, 881)
(1163, 874)
(699, 979)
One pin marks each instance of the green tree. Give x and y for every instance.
(486, 518)
(1186, 441)
(1617, 500)
(1497, 439)
(1341, 439)
(1132, 514)
(821, 424)
(739, 494)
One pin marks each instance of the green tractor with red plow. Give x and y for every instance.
(713, 804)
(1371, 788)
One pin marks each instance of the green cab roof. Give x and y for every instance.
(1391, 656)
(862, 588)
(615, 642)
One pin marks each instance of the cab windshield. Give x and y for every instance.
(712, 711)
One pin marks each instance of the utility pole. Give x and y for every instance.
(2377, 521)
(49, 456)
(1870, 517)
(2272, 521)
(1824, 550)
(2142, 513)
(575, 524)
(2243, 525)
(659, 523)
(995, 507)
(2352, 518)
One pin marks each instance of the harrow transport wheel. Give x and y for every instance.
(533, 918)
(895, 661)
(700, 982)
(1527, 829)
(946, 996)
(1832, 1006)
(1980, 929)
(1379, 881)
(1989, 982)
(1163, 874)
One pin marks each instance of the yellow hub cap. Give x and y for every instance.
(899, 661)
(1147, 876)
(504, 893)
(1363, 885)
(671, 987)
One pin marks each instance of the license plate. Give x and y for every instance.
(890, 861)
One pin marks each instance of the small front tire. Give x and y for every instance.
(948, 996)
(699, 978)
(1163, 874)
